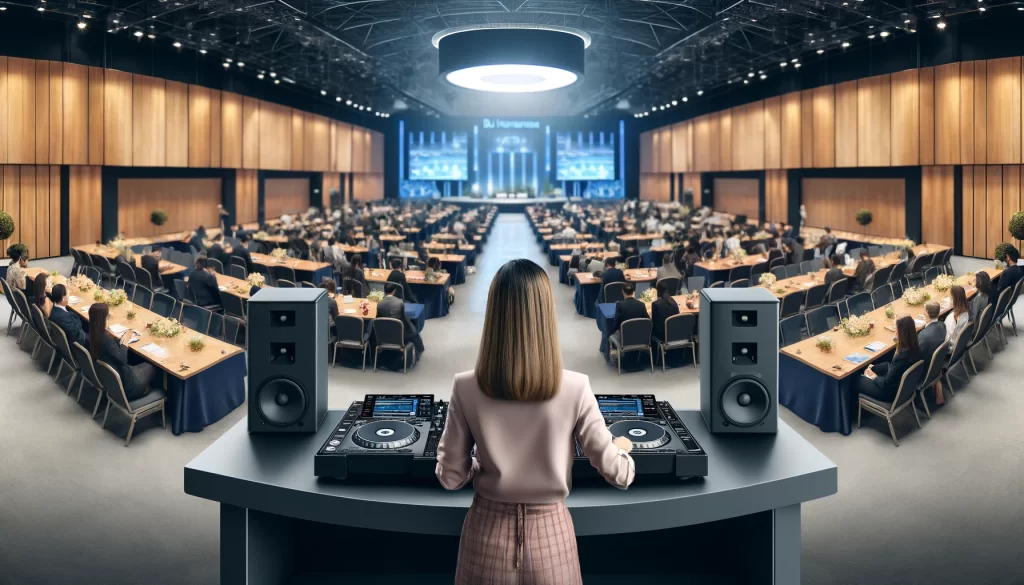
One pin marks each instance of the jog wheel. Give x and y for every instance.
(644, 434)
(386, 434)
(281, 402)
(745, 402)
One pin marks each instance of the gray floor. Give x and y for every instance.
(947, 506)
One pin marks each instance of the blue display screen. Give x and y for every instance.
(586, 156)
(395, 406)
(433, 158)
(620, 406)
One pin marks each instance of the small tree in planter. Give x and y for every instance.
(864, 218)
(158, 218)
(6, 225)
(1017, 225)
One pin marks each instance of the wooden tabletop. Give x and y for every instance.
(292, 263)
(729, 263)
(550, 237)
(165, 266)
(445, 237)
(233, 286)
(392, 238)
(638, 237)
(354, 308)
(632, 275)
(450, 257)
(582, 245)
(544, 230)
(439, 246)
(272, 239)
(411, 276)
(806, 352)
(351, 249)
(601, 255)
(175, 350)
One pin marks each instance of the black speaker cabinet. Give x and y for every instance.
(739, 360)
(287, 357)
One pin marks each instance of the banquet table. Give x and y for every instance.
(304, 269)
(652, 257)
(563, 263)
(432, 295)
(210, 387)
(606, 316)
(455, 264)
(718, 270)
(820, 387)
(588, 288)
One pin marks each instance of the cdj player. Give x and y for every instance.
(662, 445)
(385, 434)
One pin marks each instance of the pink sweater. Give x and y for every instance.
(524, 450)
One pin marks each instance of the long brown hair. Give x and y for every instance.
(959, 297)
(906, 334)
(97, 327)
(39, 289)
(520, 358)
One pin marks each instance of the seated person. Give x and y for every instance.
(242, 251)
(196, 241)
(961, 314)
(833, 272)
(353, 275)
(202, 283)
(393, 307)
(398, 277)
(628, 308)
(827, 239)
(865, 268)
(611, 274)
(662, 308)
(1008, 278)
(39, 297)
(983, 282)
(668, 268)
(70, 324)
(331, 287)
(885, 382)
(135, 379)
(16, 270)
(216, 250)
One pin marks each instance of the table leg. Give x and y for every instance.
(255, 548)
(786, 545)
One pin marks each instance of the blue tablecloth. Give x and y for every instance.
(315, 276)
(416, 314)
(563, 271)
(651, 259)
(605, 318)
(457, 270)
(203, 399)
(586, 299)
(433, 297)
(823, 401)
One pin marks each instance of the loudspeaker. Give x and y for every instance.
(287, 334)
(739, 360)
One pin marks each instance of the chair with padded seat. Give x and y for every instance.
(776, 262)
(719, 284)
(930, 274)
(791, 304)
(233, 305)
(881, 296)
(237, 271)
(196, 318)
(165, 306)
(350, 333)
(87, 367)
(15, 309)
(143, 277)
(909, 383)
(672, 282)
(793, 270)
(805, 267)
(181, 290)
(999, 312)
(815, 296)
(792, 329)
(143, 297)
(353, 287)
(757, 270)
(307, 284)
(43, 339)
(836, 292)
(125, 271)
(741, 283)
(694, 283)
(821, 320)
(980, 336)
(633, 335)
(897, 272)
(234, 331)
(933, 375)
(739, 273)
(633, 262)
(60, 341)
(612, 292)
(390, 336)
(679, 334)
(957, 354)
(859, 304)
(283, 273)
(21, 301)
(780, 273)
(283, 283)
(216, 264)
(152, 403)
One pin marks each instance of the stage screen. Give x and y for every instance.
(444, 160)
(585, 156)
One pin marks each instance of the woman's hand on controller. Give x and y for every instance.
(623, 443)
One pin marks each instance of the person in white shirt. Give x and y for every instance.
(286, 219)
(651, 224)
(732, 242)
(568, 232)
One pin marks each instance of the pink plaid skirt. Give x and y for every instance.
(517, 544)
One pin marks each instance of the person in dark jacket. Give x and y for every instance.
(151, 264)
(833, 272)
(203, 284)
(933, 334)
(242, 251)
(355, 274)
(216, 250)
(135, 379)
(1008, 278)
(865, 268)
(70, 324)
(628, 308)
(662, 308)
(889, 375)
(196, 241)
(393, 307)
(611, 274)
(398, 277)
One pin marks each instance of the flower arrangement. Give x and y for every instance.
(130, 315)
(1000, 265)
(890, 312)
(738, 255)
(620, 265)
(99, 296)
(943, 282)
(6, 225)
(905, 244)
(767, 280)
(261, 235)
(375, 296)
(780, 290)
(164, 328)
(825, 344)
(81, 283)
(54, 279)
(113, 298)
(120, 245)
(692, 300)
(856, 326)
(279, 253)
(196, 343)
(649, 295)
(916, 296)
(256, 279)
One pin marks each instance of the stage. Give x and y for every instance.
(505, 205)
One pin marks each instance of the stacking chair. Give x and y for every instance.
(234, 331)
(265, 271)
(15, 309)
(792, 329)
(60, 341)
(77, 261)
(1013, 303)
(143, 277)
(672, 282)
(93, 274)
(165, 306)
(350, 332)
(757, 270)
(237, 271)
(88, 369)
(776, 262)
(738, 273)
(353, 287)
(633, 262)
(815, 296)
(981, 335)
(805, 267)
(791, 304)
(232, 306)
(793, 270)
(741, 283)
(237, 261)
(307, 284)
(904, 398)
(196, 318)
(151, 403)
(613, 292)
(899, 270)
(633, 335)
(282, 283)
(836, 292)
(933, 375)
(180, 290)
(390, 335)
(947, 263)
(821, 320)
(859, 304)
(930, 274)
(719, 284)
(694, 283)
(143, 297)
(125, 271)
(958, 353)
(916, 268)
(679, 330)
(815, 264)
(999, 313)
(897, 289)
(216, 264)
(43, 338)
(283, 273)
(103, 264)
(780, 272)
(881, 296)
(216, 328)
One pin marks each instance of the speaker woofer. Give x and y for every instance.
(745, 402)
(281, 402)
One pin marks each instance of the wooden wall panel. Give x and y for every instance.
(664, 161)
(27, 188)
(824, 115)
(736, 196)
(1003, 119)
(56, 122)
(275, 136)
(331, 182)
(368, 187)
(980, 211)
(216, 127)
(332, 146)
(4, 114)
(177, 124)
(298, 140)
(647, 151)
(691, 182)
(653, 186)
(283, 196)
(992, 213)
(149, 121)
(773, 133)
(905, 126)
(967, 212)
(792, 132)
(250, 133)
(874, 135)
(199, 125)
(97, 108)
(937, 205)
(926, 110)
(967, 113)
(117, 124)
(681, 159)
(55, 211)
(725, 140)
(980, 112)
(702, 140)
(231, 130)
(807, 128)
(41, 220)
(947, 114)
(42, 127)
(21, 111)
(748, 137)
(85, 195)
(343, 147)
(835, 202)
(317, 138)
(75, 111)
(11, 195)
(776, 192)
(188, 202)
(846, 124)
(377, 152)
(246, 196)
(656, 151)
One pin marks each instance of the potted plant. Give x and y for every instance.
(824, 344)
(158, 218)
(6, 225)
(864, 218)
(1016, 225)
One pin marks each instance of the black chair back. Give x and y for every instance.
(633, 262)
(180, 290)
(353, 287)
(234, 331)
(859, 304)
(232, 305)
(23, 304)
(92, 273)
(983, 325)
(237, 271)
(680, 327)
(741, 283)
(775, 254)
(143, 277)
(165, 306)
(918, 263)
(282, 283)
(672, 282)
(349, 328)
(110, 380)
(791, 304)
(939, 359)
(837, 291)
(815, 296)
(757, 270)
(962, 341)
(909, 384)
(238, 261)
(739, 272)
(216, 328)
(898, 271)
(897, 289)
(102, 263)
(613, 292)
(9, 295)
(793, 270)
(930, 274)
(776, 262)
(85, 364)
(694, 283)
(195, 318)
(39, 323)
(636, 333)
(792, 329)
(125, 271)
(780, 273)
(143, 297)
(1002, 304)
(805, 267)
(283, 273)
(882, 295)
(216, 264)
(390, 333)
(822, 319)
(60, 341)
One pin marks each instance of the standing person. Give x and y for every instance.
(39, 294)
(222, 218)
(522, 412)
(803, 216)
(135, 379)
(884, 380)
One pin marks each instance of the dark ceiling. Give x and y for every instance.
(645, 53)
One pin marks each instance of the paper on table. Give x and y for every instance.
(919, 322)
(875, 346)
(73, 300)
(222, 288)
(117, 329)
(154, 349)
(348, 298)
(350, 311)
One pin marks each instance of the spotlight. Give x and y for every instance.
(883, 34)
(323, 92)
(2, 8)
(361, 108)
(355, 105)
(260, 76)
(662, 108)
(821, 51)
(81, 25)
(226, 65)
(151, 36)
(796, 60)
(783, 64)
(138, 33)
(240, 64)
(675, 103)
(272, 74)
(228, 59)
(116, 21)
(653, 109)
(686, 99)
(1021, 8)
(177, 45)
(277, 82)
(981, 9)
(871, 36)
(907, 21)
(41, 9)
(763, 76)
(751, 74)
(337, 99)
(369, 109)
(202, 51)
(746, 82)
(941, 25)
(700, 92)
(846, 44)
(797, 66)
(347, 102)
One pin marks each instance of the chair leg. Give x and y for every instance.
(988, 349)
(334, 358)
(974, 366)
(35, 348)
(163, 415)
(364, 358)
(49, 366)
(99, 398)
(916, 417)
(924, 401)
(618, 360)
(405, 361)
(81, 384)
(892, 431)
(860, 414)
(131, 429)
(663, 359)
(10, 321)
(60, 367)
(105, 415)
(376, 355)
(650, 356)
(71, 382)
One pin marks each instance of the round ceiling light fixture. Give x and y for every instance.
(511, 58)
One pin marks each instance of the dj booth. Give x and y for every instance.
(281, 524)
